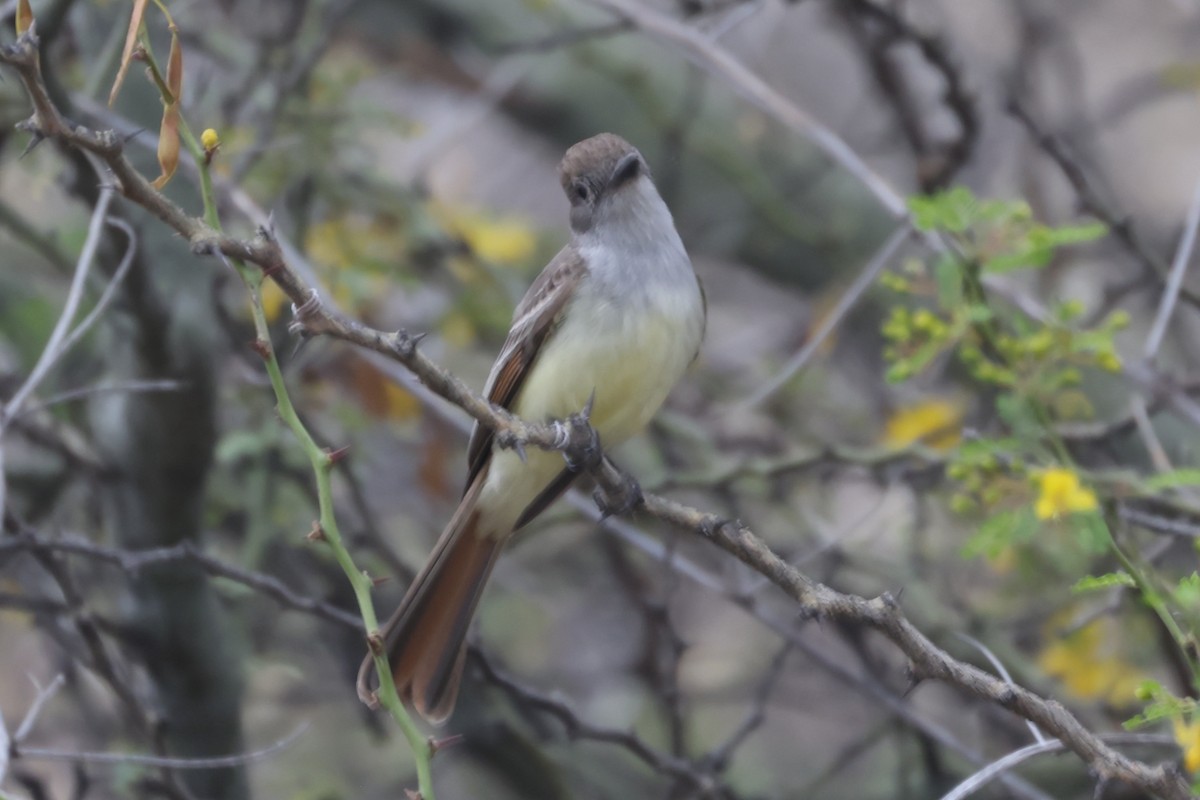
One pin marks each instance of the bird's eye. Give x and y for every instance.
(581, 192)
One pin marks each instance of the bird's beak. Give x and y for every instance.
(627, 168)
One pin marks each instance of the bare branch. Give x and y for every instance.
(881, 259)
(43, 696)
(816, 600)
(937, 163)
(698, 776)
(1094, 203)
(1183, 256)
(1000, 668)
(59, 340)
(704, 52)
(132, 561)
(1002, 765)
(166, 762)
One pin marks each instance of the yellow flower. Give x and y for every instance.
(1110, 362)
(937, 423)
(1086, 667)
(1061, 493)
(501, 241)
(1187, 735)
(209, 139)
(273, 300)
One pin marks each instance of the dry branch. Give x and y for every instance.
(883, 614)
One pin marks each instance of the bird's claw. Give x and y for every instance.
(578, 441)
(619, 500)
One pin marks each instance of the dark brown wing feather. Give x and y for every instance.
(534, 318)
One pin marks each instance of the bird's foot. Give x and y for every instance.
(619, 499)
(578, 441)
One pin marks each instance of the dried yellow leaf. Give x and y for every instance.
(135, 24)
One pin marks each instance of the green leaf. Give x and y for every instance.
(1018, 414)
(1094, 583)
(1076, 234)
(973, 450)
(954, 210)
(999, 531)
(1036, 247)
(959, 209)
(947, 274)
(899, 372)
(925, 213)
(1092, 531)
(925, 354)
(1005, 211)
(1187, 591)
(1164, 706)
(1187, 476)
(238, 445)
(979, 313)
(1008, 262)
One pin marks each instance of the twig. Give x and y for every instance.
(1002, 765)
(110, 291)
(1183, 255)
(740, 13)
(1145, 429)
(1094, 203)
(815, 599)
(168, 762)
(849, 298)
(703, 51)
(55, 344)
(1038, 736)
(132, 561)
(1159, 523)
(564, 38)
(720, 755)
(89, 629)
(116, 387)
(928, 661)
(695, 775)
(35, 709)
(936, 164)
(59, 338)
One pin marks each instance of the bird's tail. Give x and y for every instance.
(425, 638)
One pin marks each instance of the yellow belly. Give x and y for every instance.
(631, 361)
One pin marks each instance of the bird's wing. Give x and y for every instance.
(535, 318)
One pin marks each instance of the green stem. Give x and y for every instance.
(1153, 598)
(322, 463)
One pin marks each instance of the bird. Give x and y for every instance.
(612, 322)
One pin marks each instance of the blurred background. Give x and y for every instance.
(407, 153)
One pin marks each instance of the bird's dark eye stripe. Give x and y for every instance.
(629, 170)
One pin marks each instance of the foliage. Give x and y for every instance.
(1020, 479)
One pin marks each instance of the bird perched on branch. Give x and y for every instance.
(613, 321)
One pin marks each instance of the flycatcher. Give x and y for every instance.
(619, 313)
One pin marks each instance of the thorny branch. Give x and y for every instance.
(816, 600)
(700, 774)
(703, 777)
